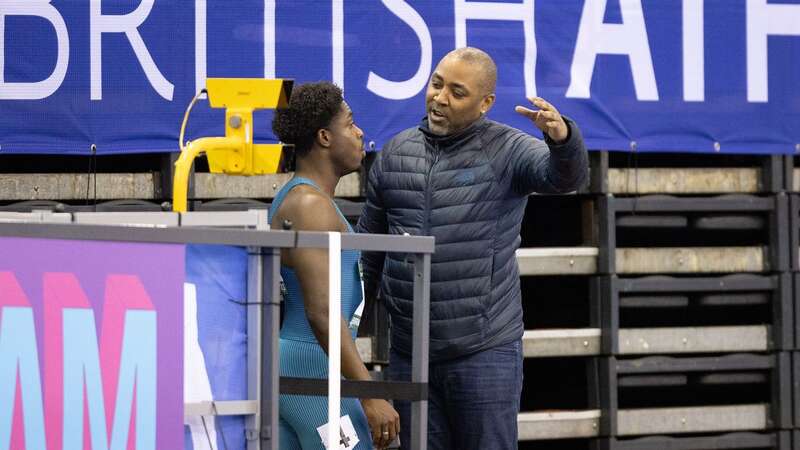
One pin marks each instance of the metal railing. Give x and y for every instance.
(264, 246)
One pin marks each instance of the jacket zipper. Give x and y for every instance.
(426, 225)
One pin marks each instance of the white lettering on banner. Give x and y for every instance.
(765, 20)
(694, 63)
(337, 42)
(628, 38)
(200, 67)
(128, 24)
(269, 39)
(523, 12)
(39, 89)
(401, 90)
(200, 45)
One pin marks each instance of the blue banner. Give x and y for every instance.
(215, 342)
(651, 75)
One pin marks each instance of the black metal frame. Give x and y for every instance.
(794, 232)
(796, 305)
(607, 371)
(788, 173)
(776, 207)
(606, 293)
(796, 391)
(779, 440)
(775, 173)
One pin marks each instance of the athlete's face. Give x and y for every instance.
(347, 140)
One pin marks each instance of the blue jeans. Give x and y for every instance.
(473, 401)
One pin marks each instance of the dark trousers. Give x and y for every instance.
(473, 401)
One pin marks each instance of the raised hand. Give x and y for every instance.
(547, 119)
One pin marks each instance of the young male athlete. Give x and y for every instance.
(328, 145)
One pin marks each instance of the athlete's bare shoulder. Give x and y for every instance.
(308, 209)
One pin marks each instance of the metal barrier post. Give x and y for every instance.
(270, 362)
(252, 424)
(419, 353)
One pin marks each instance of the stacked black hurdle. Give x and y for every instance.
(792, 185)
(667, 322)
(696, 312)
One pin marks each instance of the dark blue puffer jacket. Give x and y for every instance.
(468, 190)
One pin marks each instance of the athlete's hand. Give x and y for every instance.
(384, 422)
(547, 119)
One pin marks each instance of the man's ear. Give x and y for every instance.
(487, 103)
(324, 138)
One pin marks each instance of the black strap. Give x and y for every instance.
(397, 390)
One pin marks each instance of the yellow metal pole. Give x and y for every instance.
(236, 153)
(184, 163)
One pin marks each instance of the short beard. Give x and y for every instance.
(438, 130)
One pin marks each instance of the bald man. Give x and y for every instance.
(465, 179)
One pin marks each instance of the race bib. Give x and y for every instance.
(348, 438)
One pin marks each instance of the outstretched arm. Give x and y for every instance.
(558, 165)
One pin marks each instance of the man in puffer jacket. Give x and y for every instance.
(465, 179)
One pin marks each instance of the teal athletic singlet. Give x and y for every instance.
(302, 356)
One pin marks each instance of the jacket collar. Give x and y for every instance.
(449, 141)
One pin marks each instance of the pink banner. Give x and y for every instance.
(91, 352)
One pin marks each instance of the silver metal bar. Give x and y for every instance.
(250, 219)
(706, 180)
(255, 270)
(582, 424)
(369, 242)
(576, 342)
(795, 180)
(244, 238)
(583, 260)
(221, 408)
(270, 361)
(217, 185)
(633, 341)
(35, 217)
(419, 352)
(72, 186)
(131, 219)
(534, 426)
(691, 260)
(557, 261)
(636, 341)
(698, 419)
